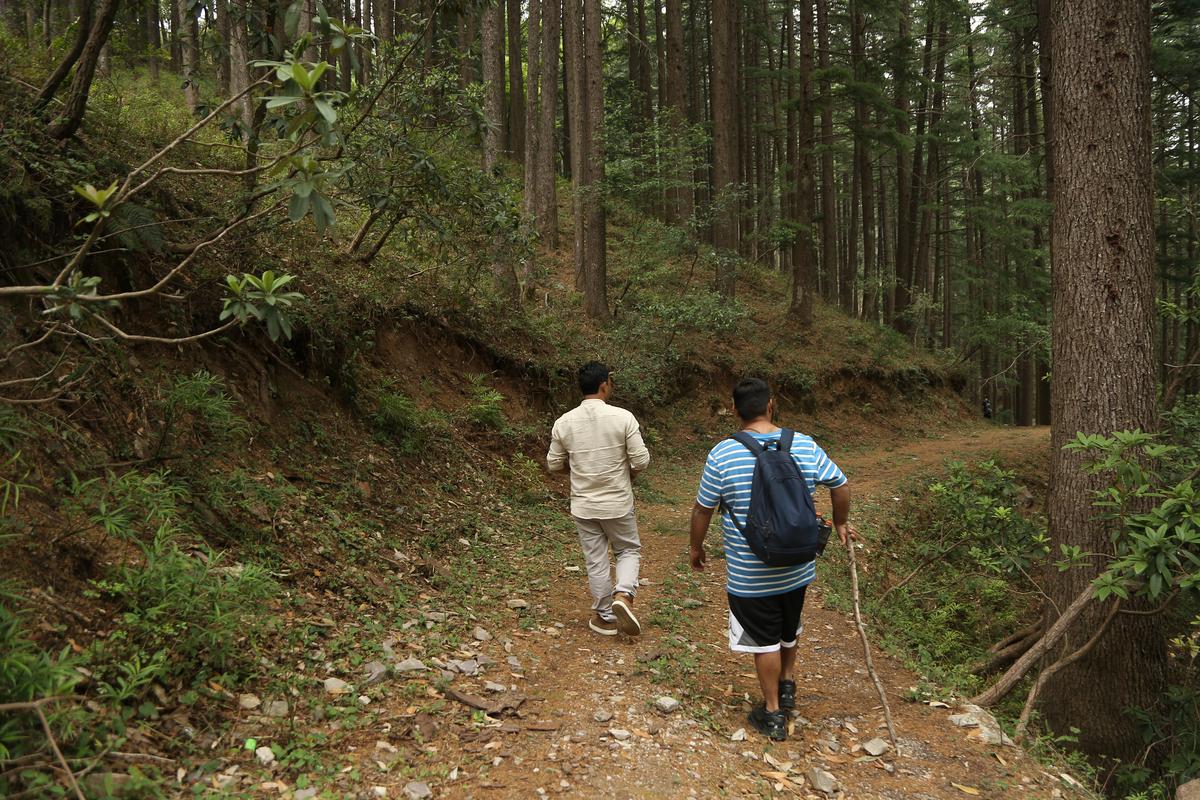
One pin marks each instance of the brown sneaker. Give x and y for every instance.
(602, 626)
(622, 607)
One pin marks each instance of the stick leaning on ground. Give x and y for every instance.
(862, 632)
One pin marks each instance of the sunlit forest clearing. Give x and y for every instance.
(296, 295)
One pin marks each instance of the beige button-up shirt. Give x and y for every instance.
(599, 444)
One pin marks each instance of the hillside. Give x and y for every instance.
(292, 292)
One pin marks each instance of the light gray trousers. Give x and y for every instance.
(595, 536)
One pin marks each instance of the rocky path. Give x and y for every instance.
(664, 715)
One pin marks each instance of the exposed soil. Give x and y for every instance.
(556, 745)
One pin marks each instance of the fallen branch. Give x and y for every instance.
(1009, 650)
(862, 632)
(1067, 660)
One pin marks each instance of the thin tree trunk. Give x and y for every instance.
(153, 37)
(829, 263)
(902, 293)
(83, 32)
(492, 46)
(189, 36)
(239, 60)
(725, 149)
(71, 116)
(223, 47)
(595, 289)
(516, 93)
(547, 196)
(804, 270)
(682, 201)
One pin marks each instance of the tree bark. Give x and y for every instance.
(902, 294)
(725, 149)
(493, 79)
(82, 34)
(804, 267)
(71, 116)
(1102, 334)
(189, 36)
(682, 200)
(516, 93)
(239, 61)
(829, 262)
(492, 46)
(595, 292)
(153, 36)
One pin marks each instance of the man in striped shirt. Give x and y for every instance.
(765, 602)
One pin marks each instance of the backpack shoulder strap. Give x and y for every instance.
(785, 440)
(749, 442)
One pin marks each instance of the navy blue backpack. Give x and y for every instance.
(782, 527)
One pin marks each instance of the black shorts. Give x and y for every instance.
(764, 624)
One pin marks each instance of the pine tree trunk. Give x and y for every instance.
(725, 149)
(804, 270)
(189, 35)
(682, 201)
(829, 263)
(1102, 334)
(547, 196)
(239, 60)
(71, 116)
(492, 46)
(533, 77)
(516, 92)
(902, 293)
(493, 79)
(153, 36)
(576, 71)
(595, 288)
(83, 32)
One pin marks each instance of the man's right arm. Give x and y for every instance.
(557, 459)
(635, 447)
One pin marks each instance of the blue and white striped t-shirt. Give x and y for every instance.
(728, 475)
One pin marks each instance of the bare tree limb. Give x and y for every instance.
(1067, 660)
(36, 707)
(1034, 654)
(131, 337)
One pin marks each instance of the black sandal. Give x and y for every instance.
(787, 695)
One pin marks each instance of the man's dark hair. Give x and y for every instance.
(591, 375)
(750, 398)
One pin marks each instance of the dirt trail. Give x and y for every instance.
(573, 678)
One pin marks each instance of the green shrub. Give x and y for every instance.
(27, 672)
(486, 409)
(207, 616)
(199, 402)
(400, 421)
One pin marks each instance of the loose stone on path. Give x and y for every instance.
(418, 790)
(822, 781)
(666, 705)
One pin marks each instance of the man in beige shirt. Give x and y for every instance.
(601, 446)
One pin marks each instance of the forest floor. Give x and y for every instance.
(573, 713)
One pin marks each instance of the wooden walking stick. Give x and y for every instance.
(862, 632)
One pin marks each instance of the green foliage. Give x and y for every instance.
(200, 402)
(261, 298)
(973, 546)
(27, 673)
(205, 615)
(486, 409)
(400, 421)
(1154, 522)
